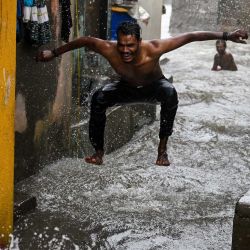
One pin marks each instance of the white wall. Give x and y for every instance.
(153, 29)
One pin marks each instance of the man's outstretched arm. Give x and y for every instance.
(166, 45)
(98, 45)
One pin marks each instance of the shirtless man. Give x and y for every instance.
(141, 79)
(223, 60)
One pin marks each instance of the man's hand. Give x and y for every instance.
(44, 56)
(238, 36)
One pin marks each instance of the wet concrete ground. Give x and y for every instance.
(129, 203)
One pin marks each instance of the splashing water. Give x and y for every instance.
(13, 243)
(130, 203)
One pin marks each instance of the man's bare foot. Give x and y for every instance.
(162, 159)
(95, 158)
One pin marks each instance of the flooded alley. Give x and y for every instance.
(129, 202)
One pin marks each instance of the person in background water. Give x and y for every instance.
(223, 60)
(136, 61)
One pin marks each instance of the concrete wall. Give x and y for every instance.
(241, 225)
(43, 99)
(153, 29)
(189, 15)
(234, 14)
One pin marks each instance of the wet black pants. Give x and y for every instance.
(119, 93)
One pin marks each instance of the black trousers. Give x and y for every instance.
(120, 93)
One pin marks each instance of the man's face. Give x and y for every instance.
(220, 48)
(128, 47)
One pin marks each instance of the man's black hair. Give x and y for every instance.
(221, 41)
(129, 28)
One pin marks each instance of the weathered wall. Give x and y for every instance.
(43, 99)
(234, 14)
(44, 111)
(189, 15)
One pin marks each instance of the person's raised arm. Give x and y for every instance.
(166, 45)
(98, 45)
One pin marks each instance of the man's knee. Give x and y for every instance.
(173, 99)
(168, 94)
(97, 100)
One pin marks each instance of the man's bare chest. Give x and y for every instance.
(139, 71)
